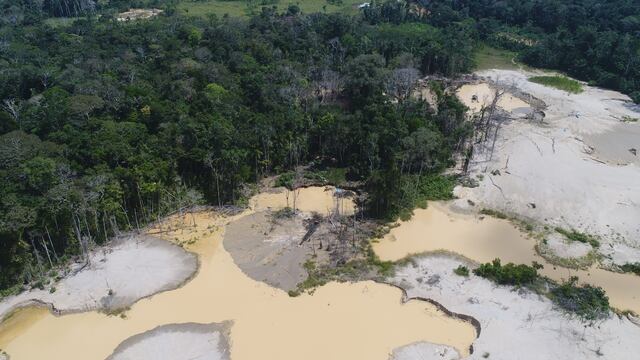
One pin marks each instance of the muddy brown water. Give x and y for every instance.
(318, 199)
(482, 240)
(363, 320)
(484, 94)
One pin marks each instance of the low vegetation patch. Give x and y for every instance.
(461, 270)
(559, 82)
(494, 213)
(631, 267)
(574, 235)
(509, 274)
(588, 302)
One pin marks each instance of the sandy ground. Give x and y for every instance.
(573, 170)
(137, 14)
(484, 238)
(177, 342)
(425, 351)
(516, 324)
(269, 250)
(118, 276)
(363, 320)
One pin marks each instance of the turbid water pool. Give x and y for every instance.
(363, 320)
(484, 238)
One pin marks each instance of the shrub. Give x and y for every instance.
(586, 301)
(494, 213)
(461, 270)
(577, 236)
(631, 267)
(509, 274)
(285, 180)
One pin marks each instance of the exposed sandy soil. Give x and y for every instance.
(363, 320)
(137, 14)
(484, 238)
(177, 342)
(118, 275)
(425, 351)
(566, 171)
(485, 94)
(516, 324)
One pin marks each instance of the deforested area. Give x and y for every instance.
(325, 179)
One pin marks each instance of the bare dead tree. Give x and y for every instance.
(401, 82)
(13, 107)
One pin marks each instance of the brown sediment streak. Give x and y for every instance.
(464, 317)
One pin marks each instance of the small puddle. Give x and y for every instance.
(438, 228)
(320, 199)
(484, 95)
(363, 320)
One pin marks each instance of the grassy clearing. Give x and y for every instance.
(487, 57)
(559, 82)
(244, 8)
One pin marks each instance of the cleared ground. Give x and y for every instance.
(516, 323)
(117, 276)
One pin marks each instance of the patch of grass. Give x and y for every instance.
(509, 274)
(573, 235)
(588, 302)
(486, 57)
(461, 270)
(631, 267)
(494, 213)
(559, 82)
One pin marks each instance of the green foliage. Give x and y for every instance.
(106, 126)
(574, 235)
(488, 57)
(461, 270)
(286, 180)
(494, 213)
(588, 302)
(509, 274)
(559, 82)
(631, 267)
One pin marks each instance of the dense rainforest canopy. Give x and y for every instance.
(106, 125)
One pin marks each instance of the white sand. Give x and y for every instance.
(516, 324)
(553, 166)
(132, 269)
(425, 351)
(176, 342)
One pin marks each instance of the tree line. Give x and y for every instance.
(591, 40)
(105, 125)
